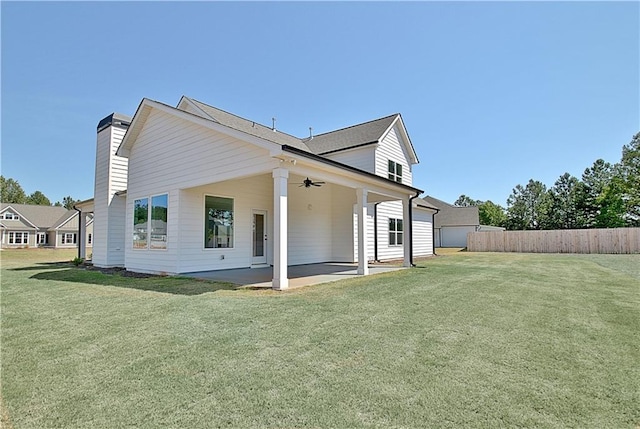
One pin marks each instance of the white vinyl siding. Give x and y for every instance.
(391, 148)
(422, 233)
(363, 158)
(109, 219)
(455, 236)
(172, 153)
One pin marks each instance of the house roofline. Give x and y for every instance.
(328, 161)
(21, 215)
(350, 147)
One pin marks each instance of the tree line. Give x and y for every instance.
(13, 193)
(606, 196)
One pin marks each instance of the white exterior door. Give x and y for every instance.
(259, 245)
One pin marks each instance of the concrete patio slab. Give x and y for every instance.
(299, 275)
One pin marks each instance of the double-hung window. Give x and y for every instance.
(68, 238)
(18, 238)
(395, 171)
(395, 232)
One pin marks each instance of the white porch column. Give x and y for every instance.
(82, 235)
(280, 234)
(363, 265)
(406, 232)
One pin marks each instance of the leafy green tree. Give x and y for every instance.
(491, 214)
(67, 202)
(527, 206)
(590, 193)
(629, 170)
(39, 199)
(612, 212)
(12, 192)
(563, 204)
(465, 201)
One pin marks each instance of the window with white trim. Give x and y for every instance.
(41, 238)
(395, 232)
(10, 216)
(218, 222)
(150, 211)
(395, 171)
(68, 238)
(18, 238)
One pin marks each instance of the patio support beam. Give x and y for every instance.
(407, 231)
(280, 211)
(363, 263)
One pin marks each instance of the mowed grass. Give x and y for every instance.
(463, 340)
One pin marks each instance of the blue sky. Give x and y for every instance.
(492, 93)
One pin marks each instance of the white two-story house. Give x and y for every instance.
(194, 188)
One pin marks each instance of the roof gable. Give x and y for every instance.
(350, 137)
(209, 117)
(36, 216)
(367, 133)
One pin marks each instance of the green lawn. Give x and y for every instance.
(463, 340)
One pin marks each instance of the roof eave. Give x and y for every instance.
(367, 174)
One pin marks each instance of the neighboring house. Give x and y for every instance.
(453, 223)
(222, 192)
(25, 225)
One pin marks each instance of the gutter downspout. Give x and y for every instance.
(411, 227)
(375, 232)
(79, 230)
(433, 232)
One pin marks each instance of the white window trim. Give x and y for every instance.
(149, 199)
(394, 176)
(65, 235)
(204, 206)
(24, 237)
(396, 232)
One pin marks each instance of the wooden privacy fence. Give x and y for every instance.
(609, 240)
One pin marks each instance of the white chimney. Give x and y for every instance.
(109, 207)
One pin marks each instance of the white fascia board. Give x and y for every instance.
(405, 138)
(147, 105)
(339, 176)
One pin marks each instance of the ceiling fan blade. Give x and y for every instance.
(316, 184)
(320, 183)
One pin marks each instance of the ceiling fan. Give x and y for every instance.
(307, 183)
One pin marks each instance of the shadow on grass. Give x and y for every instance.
(43, 266)
(160, 284)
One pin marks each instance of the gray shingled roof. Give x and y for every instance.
(250, 127)
(353, 136)
(451, 215)
(333, 141)
(41, 216)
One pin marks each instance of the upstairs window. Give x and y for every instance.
(395, 171)
(395, 232)
(11, 216)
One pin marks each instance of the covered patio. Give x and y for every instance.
(299, 275)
